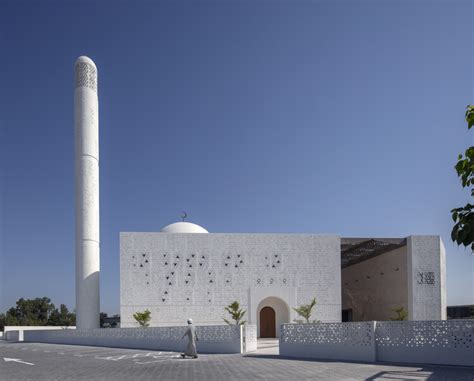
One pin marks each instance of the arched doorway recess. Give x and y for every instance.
(276, 314)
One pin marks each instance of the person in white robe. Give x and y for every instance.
(191, 350)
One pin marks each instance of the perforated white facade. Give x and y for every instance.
(420, 342)
(187, 275)
(177, 276)
(426, 273)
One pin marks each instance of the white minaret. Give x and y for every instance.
(86, 135)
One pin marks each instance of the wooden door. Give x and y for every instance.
(267, 322)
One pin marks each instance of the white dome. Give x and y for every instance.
(183, 227)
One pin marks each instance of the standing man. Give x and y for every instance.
(192, 338)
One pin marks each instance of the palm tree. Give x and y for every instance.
(305, 310)
(236, 313)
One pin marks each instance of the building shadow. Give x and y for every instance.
(412, 371)
(425, 373)
(307, 359)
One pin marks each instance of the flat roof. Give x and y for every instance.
(355, 250)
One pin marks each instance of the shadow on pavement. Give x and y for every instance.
(434, 373)
(413, 372)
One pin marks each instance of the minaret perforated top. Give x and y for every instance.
(86, 73)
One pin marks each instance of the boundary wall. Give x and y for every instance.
(211, 339)
(426, 342)
(335, 341)
(16, 332)
(444, 342)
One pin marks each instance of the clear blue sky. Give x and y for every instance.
(341, 117)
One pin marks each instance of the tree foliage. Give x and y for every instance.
(402, 314)
(471, 312)
(143, 318)
(103, 317)
(38, 311)
(62, 317)
(463, 217)
(306, 310)
(236, 313)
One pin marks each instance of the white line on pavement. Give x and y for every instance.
(154, 356)
(17, 360)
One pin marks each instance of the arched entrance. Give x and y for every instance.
(271, 313)
(267, 322)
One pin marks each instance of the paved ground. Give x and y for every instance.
(68, 362)
(268, 347)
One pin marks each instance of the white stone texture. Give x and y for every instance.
(373, 288)
(426, 278)
(177, 276)
(250, 338)
(19, 329)
(448, 342)
(86, 131)
(442, 281)
(212, 339)
(13, 335)
(337, 341)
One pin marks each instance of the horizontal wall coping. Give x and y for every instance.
(35, 327)
(235, 234)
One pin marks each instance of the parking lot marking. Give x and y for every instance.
(17, 360)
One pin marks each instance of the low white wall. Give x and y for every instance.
(448, 342)
(12, 335)
(250, 338)
(441, 342)
(15, 332)
(337, 341)
(212, 339)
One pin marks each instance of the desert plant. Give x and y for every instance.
(236, 314)
(306, 310)
(143, 318)
(402, 314)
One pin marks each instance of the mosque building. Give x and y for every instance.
(185, 271)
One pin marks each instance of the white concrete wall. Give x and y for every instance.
(12, 335)
(373, 288)
(212, 339)
(449, 342)
(18, 330)
(426, 278)
(177, 276)
(250, 335)
(442, 281)
(336, 341)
